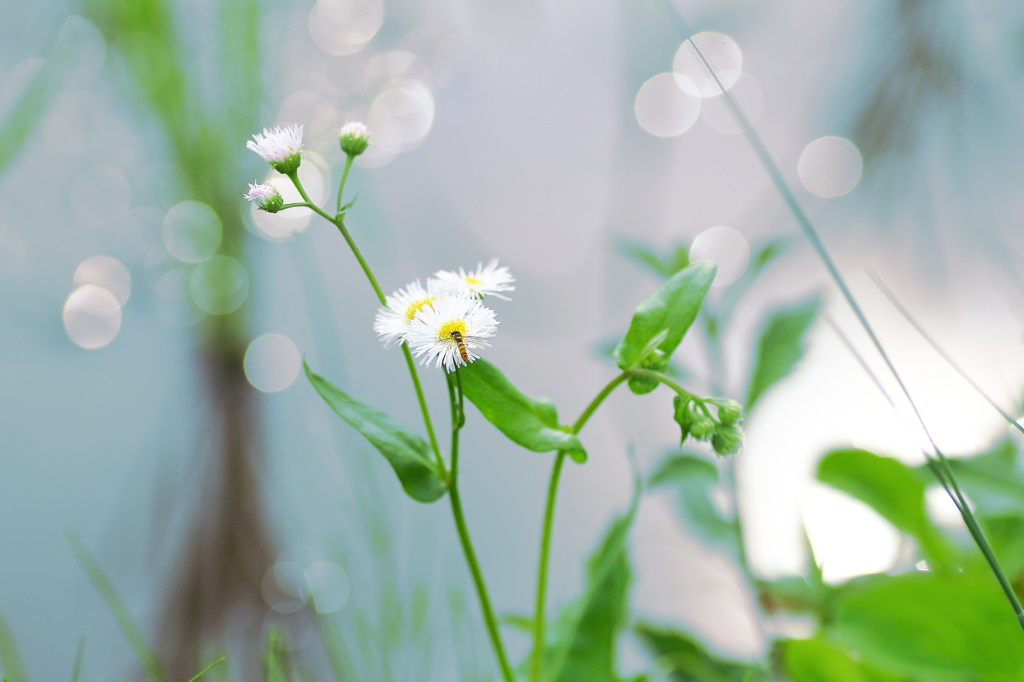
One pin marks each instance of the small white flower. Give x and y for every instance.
(400, 308)
(278, 144)
(261, 194)
(449, 330)
(354, 138)
(487, 280)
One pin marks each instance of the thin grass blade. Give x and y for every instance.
(147, 659)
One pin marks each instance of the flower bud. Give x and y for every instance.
(266, 197)
(702, 428)
(354, 138)
(729, 412)
(683, 416)
(726, 439)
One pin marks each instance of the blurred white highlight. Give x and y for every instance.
(108, 273)
(725, 247)
(272, 362)
(722, 54)
(92, 316)
(663, 109)
(830, 166)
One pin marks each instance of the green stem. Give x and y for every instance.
(458, 407)
(811, 234)
(539, 616)
(338, 222)
(344, 176)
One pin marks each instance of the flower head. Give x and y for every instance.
(280, 147)
(393, 319)
(449, 330)
(487, 280)
(354, 138)
(266, 197)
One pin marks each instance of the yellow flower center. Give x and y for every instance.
(417, 306)
(472, 281)
(445, 333)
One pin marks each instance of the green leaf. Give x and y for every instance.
(931, 625)
(586, 634)
(669, 311)
(10, 658)
(686, 660)
(993, 480)
(526, 421)
(693, 477)
(889, 487)
(816, 659)
(407, 453)
(781, 346)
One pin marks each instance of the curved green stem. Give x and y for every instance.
(539, 619)
(344, 176)
(338, 222)
(458, 412)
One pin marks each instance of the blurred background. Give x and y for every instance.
(152, 325)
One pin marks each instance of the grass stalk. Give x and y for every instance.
(811, 234)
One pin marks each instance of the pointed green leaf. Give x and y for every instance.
(781, 346)
(693, 477)
(526, 421)
(407, 453)
(686, 659)
(954, 626)
(669, 311)
(889, 487)
(817, 659)
(586, 634)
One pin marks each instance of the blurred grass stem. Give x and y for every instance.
(458, 419)
(812, 236)
(147, 658)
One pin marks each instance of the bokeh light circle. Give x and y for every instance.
(830, 166)
(191, 231)
(341, 27)
(721, 52)
(272, 362)
(105, 272)
(663, 109)
(725, 247)
(329, 586)
(219, 285)
(92, 316)
(401, 116)
(284, 587)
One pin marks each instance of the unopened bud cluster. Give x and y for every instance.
(722, 428)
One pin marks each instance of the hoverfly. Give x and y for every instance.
(457, 337)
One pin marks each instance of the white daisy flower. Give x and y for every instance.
(450, 330)
(487, 280)
(400, 308)
(265, 196)
(280, 147)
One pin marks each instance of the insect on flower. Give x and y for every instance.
(450, 330)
